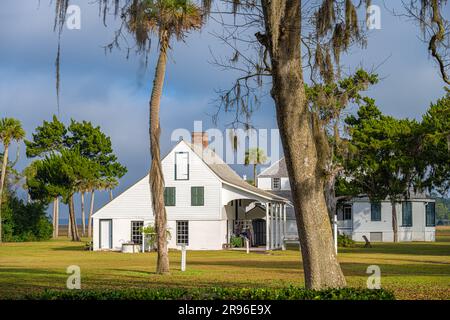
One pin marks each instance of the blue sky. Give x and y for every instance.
(113, 92)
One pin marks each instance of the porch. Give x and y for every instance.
(262, 223)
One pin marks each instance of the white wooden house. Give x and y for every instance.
(206, 203)
(359, 217)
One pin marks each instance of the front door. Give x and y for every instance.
(105, 234)
(259, 229)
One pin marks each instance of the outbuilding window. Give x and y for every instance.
(182, 233)
(347, 212)
(375, 211)
(430, 210)
(276, 183)
(136, 231)
(407, 214)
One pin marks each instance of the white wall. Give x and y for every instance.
(362, 224)
(208, 229)
(199, 176)
(203, 235)
(285, 185)
(265, 183)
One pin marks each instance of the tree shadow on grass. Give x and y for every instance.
(403, 270)
(44, 272)
(414, 248)
(71, 248)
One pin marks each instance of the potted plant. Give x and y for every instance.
(149, 237)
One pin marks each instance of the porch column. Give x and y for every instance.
(277, 226)
(272, 229)
(267, 227)
(280, 231)
(284, 228)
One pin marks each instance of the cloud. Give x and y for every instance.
(113, 92)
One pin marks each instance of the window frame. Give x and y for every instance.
(405, 204)
(133, 229)
(174, 197)
(187, 164)
(344, 206)
(182, 232)
(427, 212)
(372, 205)
(194, 199)
(273, 183)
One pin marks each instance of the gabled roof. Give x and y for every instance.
(276, 170)
(228, 175)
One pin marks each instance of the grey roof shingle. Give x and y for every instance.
(277, 170)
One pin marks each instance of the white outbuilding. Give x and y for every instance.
(360, 217)
(207, 204)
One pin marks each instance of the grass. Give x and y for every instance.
(411, 270)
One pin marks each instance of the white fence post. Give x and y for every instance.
(183, 258)
(247, 245)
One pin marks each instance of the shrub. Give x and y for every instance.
(345, 241)
(236, 241)
(289, 293)
(25, 221)
(150, 236)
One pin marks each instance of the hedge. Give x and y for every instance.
(289, 293)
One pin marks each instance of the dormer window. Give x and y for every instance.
(181, 166)
(276, 183)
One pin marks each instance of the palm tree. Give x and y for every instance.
(92, 186)
(83, 188)
(167, 19)
(255, 156)
(10, 130)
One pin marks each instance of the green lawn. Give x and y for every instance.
(411, 270)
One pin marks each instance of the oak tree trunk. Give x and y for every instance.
(91, 212)
(282, 39)
(394, 221)
(2, 185)
(330, 196)
(156, 175)
(73, 224)
(83, 216)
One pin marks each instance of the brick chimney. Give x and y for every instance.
(200, 139)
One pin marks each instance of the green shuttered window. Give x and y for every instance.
(197, 196)
(407, 214)
(375, 211)
(169, 197)
(431, 214)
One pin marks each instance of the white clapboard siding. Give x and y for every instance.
(200, 175)
(135, 202)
